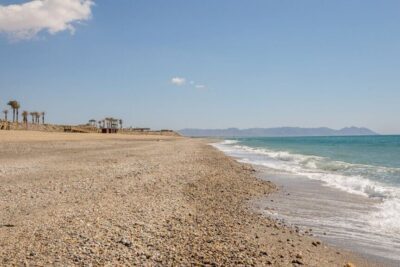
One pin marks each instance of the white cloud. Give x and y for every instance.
(178, 81)
(25, 21)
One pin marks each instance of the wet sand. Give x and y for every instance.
(337, 217)
(89, 199)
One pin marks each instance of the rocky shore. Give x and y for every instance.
(92, 200)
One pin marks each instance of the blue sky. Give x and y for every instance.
(262, 64)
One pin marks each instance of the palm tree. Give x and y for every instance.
(43, 113)
(120, 123)
(25, 117)
(17, 107)
(37, 116)
(33, 117)
(5, 114)
(12, 104)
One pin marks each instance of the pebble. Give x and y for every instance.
(296, 261)
(126, 242)
(168, 208)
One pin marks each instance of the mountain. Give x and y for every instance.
(276, 132)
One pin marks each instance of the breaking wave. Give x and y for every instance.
(366, 180)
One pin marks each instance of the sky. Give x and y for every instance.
(204, 64)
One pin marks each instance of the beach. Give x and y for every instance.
(95, 200)
(345, 188)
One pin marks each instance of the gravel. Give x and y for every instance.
(134, 202)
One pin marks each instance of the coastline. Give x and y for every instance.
(79, 199)
(315, 194)
(307, 205)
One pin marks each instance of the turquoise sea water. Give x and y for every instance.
(373, 157)
(373, 150)
(367, 167)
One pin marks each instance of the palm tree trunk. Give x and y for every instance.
(17, 114)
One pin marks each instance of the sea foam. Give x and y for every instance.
(365, 180)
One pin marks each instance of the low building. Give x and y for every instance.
(109, 130)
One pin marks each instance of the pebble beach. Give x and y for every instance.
(120, 200)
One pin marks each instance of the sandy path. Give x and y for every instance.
(76, 199)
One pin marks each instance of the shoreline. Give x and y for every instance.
(339, 217)
(299, 198)
(136, 201)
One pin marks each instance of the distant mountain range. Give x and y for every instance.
(276, 132)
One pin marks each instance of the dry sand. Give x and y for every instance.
(95, 200)
(36, 136)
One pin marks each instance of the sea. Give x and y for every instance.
(346, 189)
